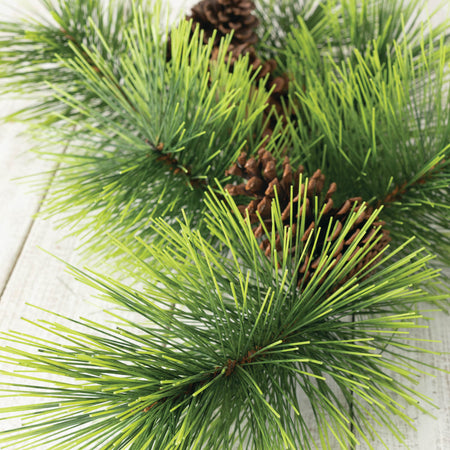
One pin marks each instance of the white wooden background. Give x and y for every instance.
(29, 275)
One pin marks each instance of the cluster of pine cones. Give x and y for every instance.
(264, 177)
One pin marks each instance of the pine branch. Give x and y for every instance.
(400, 191)
(33, 48)
(339, 27)
(168, 159)
(383, 125)
(279, 17)
(168, 130)
(421, 208)
(225, 338)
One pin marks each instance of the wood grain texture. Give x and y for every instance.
(17, 203)
(41, 280)
(428, 433)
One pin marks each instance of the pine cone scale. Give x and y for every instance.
(263, 184)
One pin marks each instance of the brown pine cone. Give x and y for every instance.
(279, 95)
(263, 177)
(280, 90)
(226, 16)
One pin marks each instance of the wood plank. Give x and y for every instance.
(41, 280)
(429, 433)
(17, 203)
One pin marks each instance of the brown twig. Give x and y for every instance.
(400, 190)
(227, 371)
(165, 158)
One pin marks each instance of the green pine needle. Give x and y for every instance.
(33, 46)
(170, 130)
(380, 115)
(369, 93)
(228, 350)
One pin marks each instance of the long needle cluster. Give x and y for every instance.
(223, 347)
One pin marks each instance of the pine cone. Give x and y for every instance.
(280, 85)
(280, 90)
(263, 178)
(226, 16)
